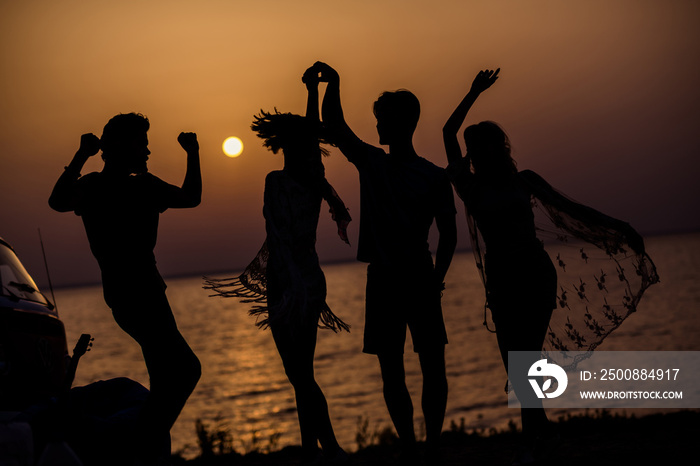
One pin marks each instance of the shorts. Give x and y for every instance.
(400, 298)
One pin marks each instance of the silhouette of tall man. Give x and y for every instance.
(120, 208)
(401, 194)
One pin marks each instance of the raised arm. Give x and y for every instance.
(190, 194)
(310, 78)
(63, 195)
(483, 80)
(340, 133)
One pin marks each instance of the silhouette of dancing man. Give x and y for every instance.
(401, 194)
(120, 207)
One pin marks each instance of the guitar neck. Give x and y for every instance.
(83, 346)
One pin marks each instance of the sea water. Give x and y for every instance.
(244, 387)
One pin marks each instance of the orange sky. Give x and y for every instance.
(600, 97)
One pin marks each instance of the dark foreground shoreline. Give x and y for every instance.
(598, 438)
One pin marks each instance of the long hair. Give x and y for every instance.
(280, 130)
(488, 147)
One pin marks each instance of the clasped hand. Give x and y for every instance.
(319, 72)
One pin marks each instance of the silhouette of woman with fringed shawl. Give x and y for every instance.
(523, 286)
(286, 271)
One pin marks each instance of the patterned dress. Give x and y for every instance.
(600, 267)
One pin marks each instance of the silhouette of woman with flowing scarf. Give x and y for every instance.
(286, 272)
(518, 224)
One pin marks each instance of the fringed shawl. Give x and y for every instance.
(602, 267)
(294, 304)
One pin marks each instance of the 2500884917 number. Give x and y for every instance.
(639, 374)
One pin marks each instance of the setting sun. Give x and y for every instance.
(233, 146)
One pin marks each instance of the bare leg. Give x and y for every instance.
(525, 330)
(297, 353)
(397, 397)
(434, 399)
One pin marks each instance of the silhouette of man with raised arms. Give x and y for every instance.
(120, 207)
(401, 194)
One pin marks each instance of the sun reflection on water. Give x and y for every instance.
(243, 381)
